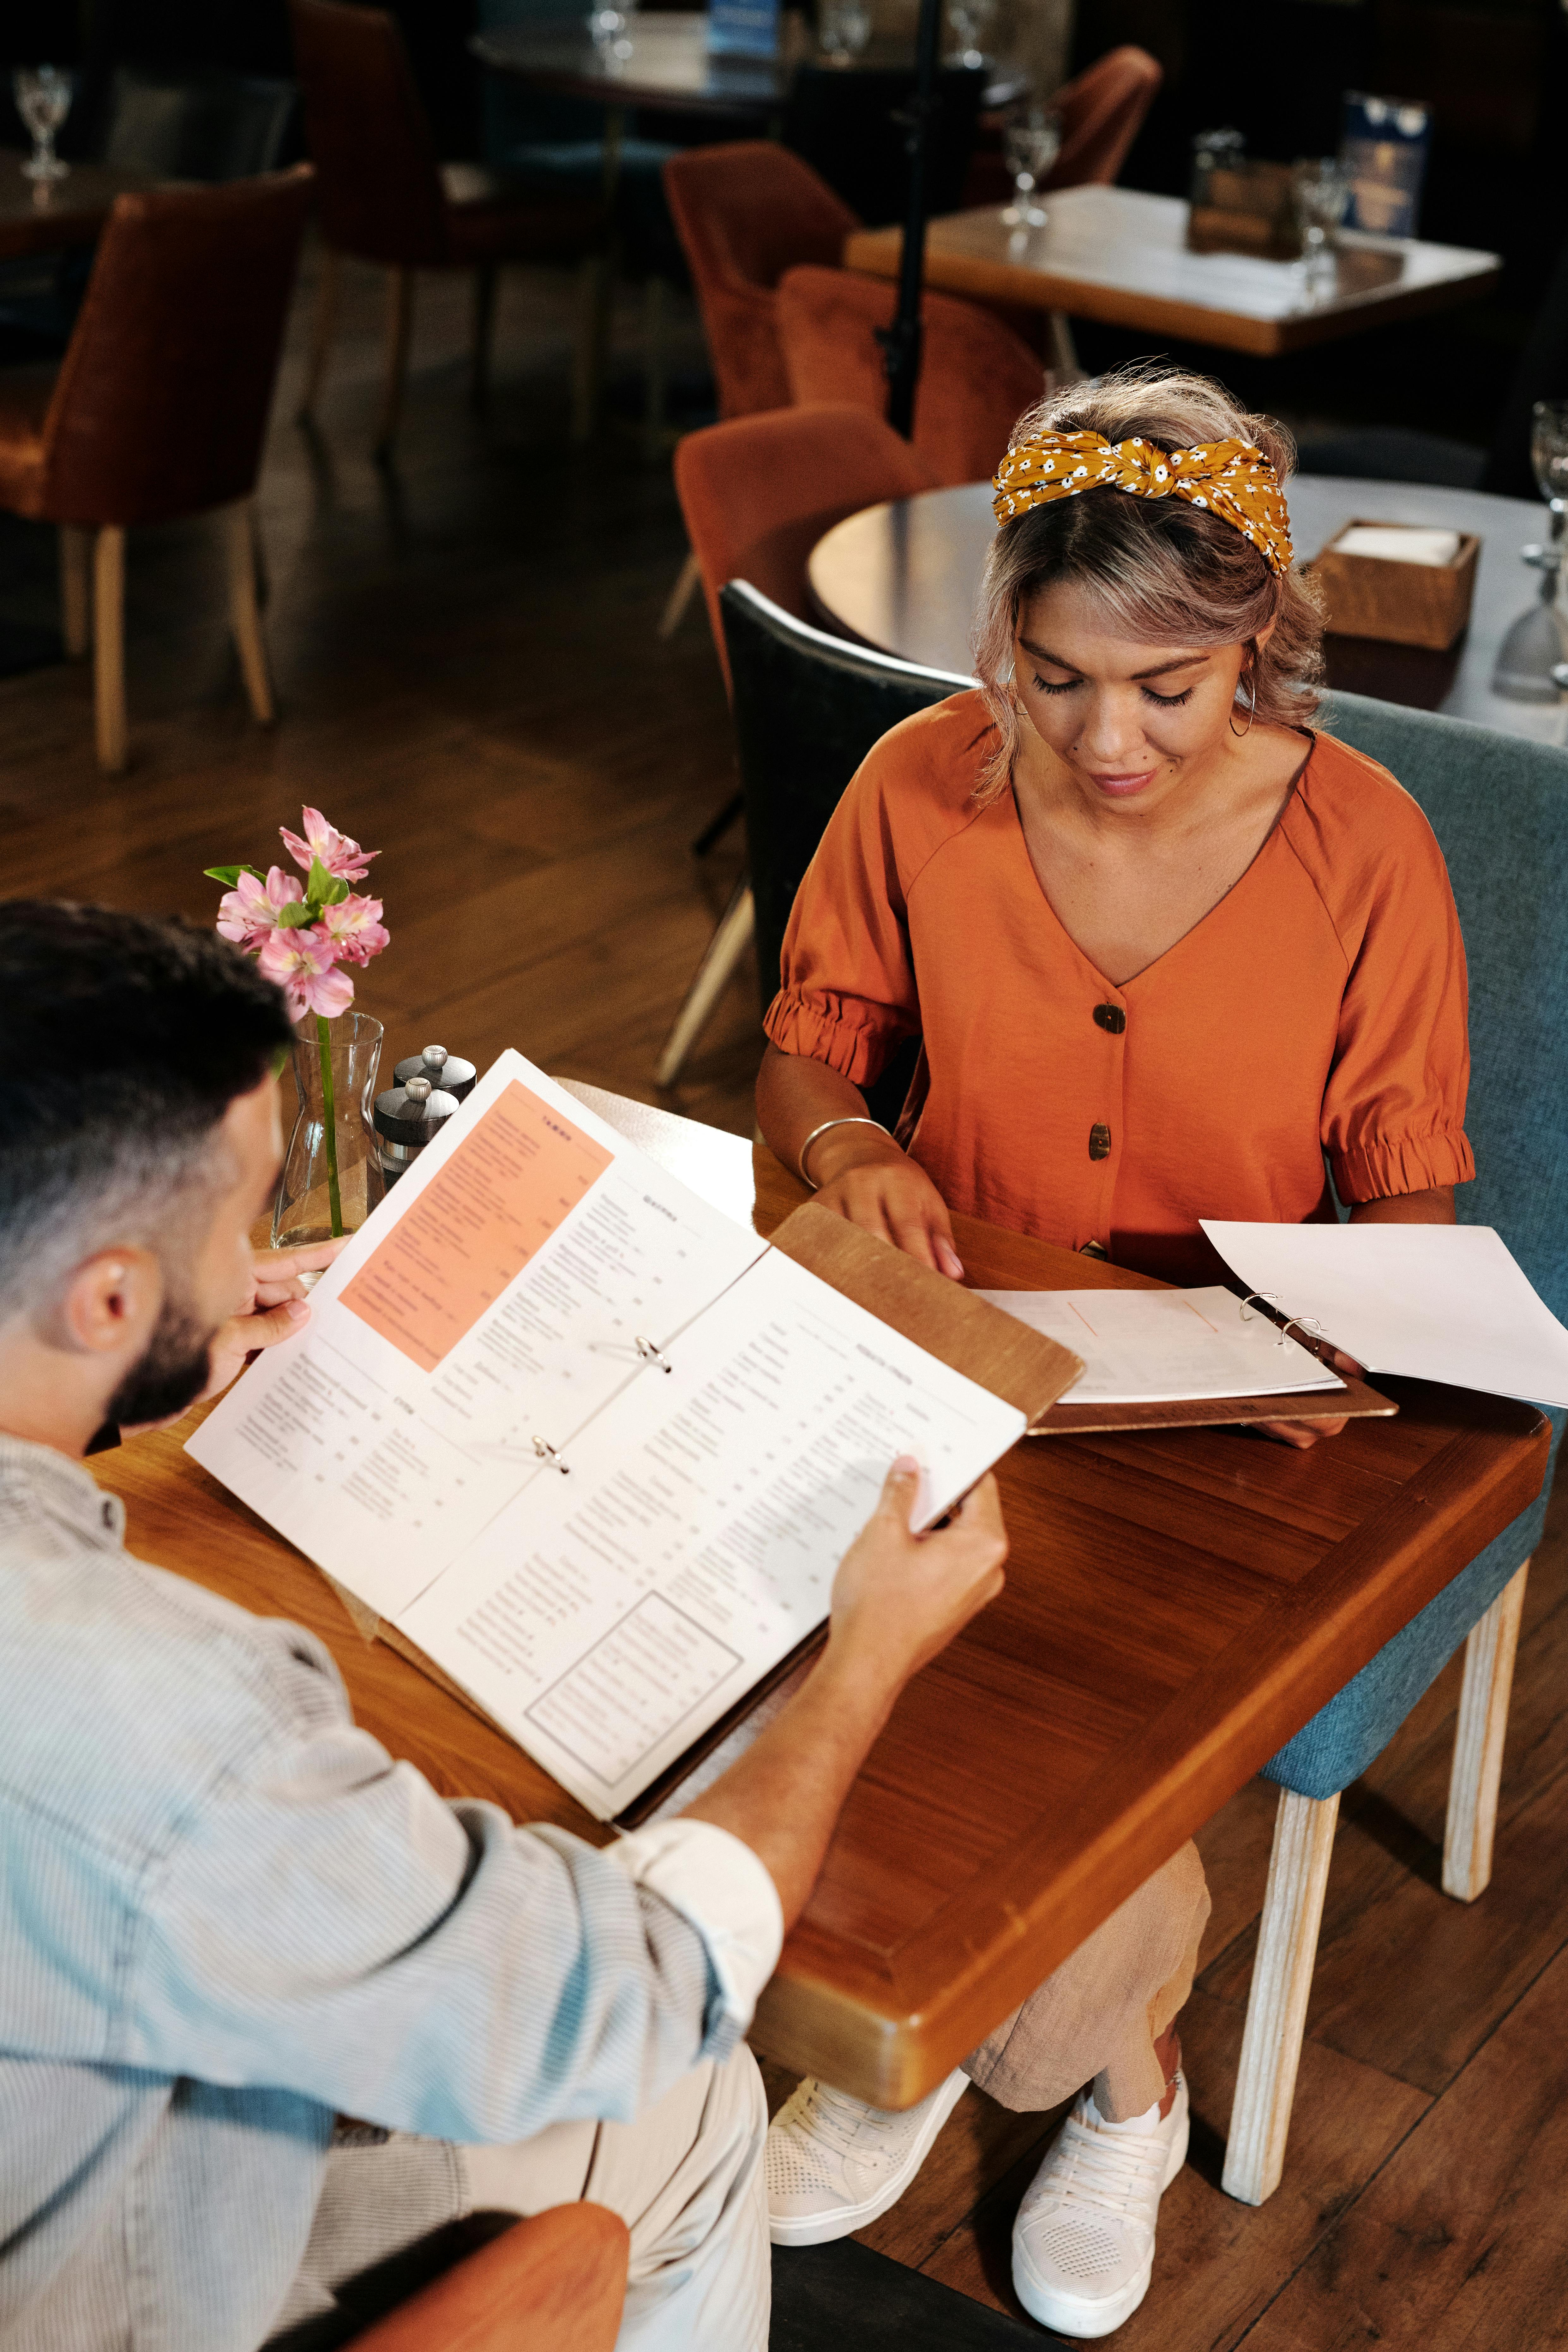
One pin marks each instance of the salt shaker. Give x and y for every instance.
(444, 1071)
(406, 1119)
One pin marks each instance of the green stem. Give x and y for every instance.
(330, 1113)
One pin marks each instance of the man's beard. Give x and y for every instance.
(170, 1374)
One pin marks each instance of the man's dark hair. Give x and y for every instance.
(125, 1040)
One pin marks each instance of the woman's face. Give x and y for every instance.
(1128, 721)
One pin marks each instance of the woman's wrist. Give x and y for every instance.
(842, 1148)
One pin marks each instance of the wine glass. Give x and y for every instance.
(43, 95)
(842, 29)
(1549, 457)
(969, 21)
(1323, 190)
(1532, 650)
(1031, 141)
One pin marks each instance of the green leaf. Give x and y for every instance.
(229, 874)
(321, 889)
(296, 915)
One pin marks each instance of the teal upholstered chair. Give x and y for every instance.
(1499, 808)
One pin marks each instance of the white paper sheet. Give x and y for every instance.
(1161, 1347)
(495, 1298)
(1436, 1302)
(1398, 542)
(613, 1612)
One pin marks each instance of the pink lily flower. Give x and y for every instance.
(356, 929)
(249, 913)
(342, 857)
(304, 966)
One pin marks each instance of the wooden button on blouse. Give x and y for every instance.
(1111, 1017)
(1099, 1140)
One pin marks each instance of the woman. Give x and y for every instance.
(1164, 949)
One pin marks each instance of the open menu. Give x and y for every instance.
(589, 1444)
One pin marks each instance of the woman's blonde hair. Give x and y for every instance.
(1161, 570)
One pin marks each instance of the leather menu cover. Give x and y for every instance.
(996, 1351)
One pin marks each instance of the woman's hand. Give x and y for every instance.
(861, 1175)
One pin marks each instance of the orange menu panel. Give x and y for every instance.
(520, 1170)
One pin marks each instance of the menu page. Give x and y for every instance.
(516, 1277)
(688, 1539)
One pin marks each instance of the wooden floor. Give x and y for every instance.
(469, 680)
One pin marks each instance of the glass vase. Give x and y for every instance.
(331, 1179)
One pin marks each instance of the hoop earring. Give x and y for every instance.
(1242, 732)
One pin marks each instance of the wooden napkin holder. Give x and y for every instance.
(1250, 208)
(1403, 604)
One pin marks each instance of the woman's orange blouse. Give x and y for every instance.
(1319, 1008)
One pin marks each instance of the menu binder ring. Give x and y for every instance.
(652, 1355)
(547, 1452)
(1309, 1327)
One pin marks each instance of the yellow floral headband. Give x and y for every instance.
(1232, 478)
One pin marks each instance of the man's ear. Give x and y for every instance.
(109, 1305)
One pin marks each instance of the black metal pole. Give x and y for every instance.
(902, 342)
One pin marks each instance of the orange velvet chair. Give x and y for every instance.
(554, 2283)
(384, 197)
(746, 213)
(1101, 112)
(976, 377)
(757, 493)
(159, 407)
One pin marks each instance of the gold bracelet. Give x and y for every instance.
(850, 1119)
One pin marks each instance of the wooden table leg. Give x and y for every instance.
(108, 648)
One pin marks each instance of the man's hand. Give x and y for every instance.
(899, 1598)
(864, 1176)
(277, 1308)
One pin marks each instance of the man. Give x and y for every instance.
(228, 1915)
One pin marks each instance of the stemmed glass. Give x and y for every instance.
(1031, 141)
(1530, 655)
(43, 95)
(611, 27)
(842, 29)
(1322, 191)
(969, 21)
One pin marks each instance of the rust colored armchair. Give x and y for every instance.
(757, 493)
(976, 377)
(385, 196)
(554, 2283)
(746, 213)
(159, 407)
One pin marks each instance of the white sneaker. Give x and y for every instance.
(1083, 2243)
(833, 2163)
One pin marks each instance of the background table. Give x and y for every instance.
(669, 68)
(904, 578)
(1120, 256)
(44, 219)
(1177, 1604)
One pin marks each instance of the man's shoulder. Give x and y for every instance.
(132, 1695)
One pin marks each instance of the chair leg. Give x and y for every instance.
(323, 328)
(1065, 366)
(1478, 1742)
(715, 972)
(718, 825)
(244, 616)
(76, 625)
(681, 597)
(109, 647)
(485, 280)
(399, 325)
(1277, 2008)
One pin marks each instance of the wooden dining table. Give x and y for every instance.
(904, 577)
(1178, 1602)
(1120, 256)
(46, 217)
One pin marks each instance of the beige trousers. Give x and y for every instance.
(1100, 2014)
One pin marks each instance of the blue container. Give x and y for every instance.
(1384, 146)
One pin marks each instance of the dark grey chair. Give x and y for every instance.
(807, 709)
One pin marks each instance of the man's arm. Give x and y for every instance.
(898, 1599)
